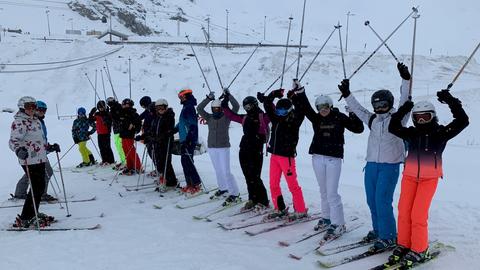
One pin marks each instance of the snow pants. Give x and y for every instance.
(82, 147)
(105, 148)
(285, 165)
(221, 163)
(380, 182)
(251, 162)
(327, 171)
(133, 161)
(118, 145)
(190, 171)
(415, 199)
(23, 183)
(161, 159)
(37, 176)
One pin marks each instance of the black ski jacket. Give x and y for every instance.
(127, 117)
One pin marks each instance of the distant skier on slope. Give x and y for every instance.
(103, 123)
(329, 125)
(286, 118)
(255, 131)
(219, 146)
(426, 141)
(81, 133)
(385, 152)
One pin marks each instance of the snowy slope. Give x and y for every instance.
(136, 236)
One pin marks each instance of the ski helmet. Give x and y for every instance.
(161, 102)
(41, 105)
(283, 107)
(184, 92)
(249, 103)
(145, 101)
(423, 112)
(81, 111)
(323, 101)
(101, 104)
(26, 100)
(128, 101)
(382, 99)
(216, 103)
(111, 100)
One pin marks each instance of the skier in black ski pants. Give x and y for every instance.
(255, 130)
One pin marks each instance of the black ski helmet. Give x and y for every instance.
(101, 104)
(111, 101)
(145, 101)
(128, 101)
(381, 98)
(249, 103)
(283, 107)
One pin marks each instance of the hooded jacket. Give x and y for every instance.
(187, 124)
(127, 117)
(103, 122)
(81, 129)
(161, 129)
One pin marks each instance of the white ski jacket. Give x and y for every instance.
(383, 146)
(27, 131)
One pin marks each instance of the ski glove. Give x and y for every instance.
(21, 153)
(344, 88)
(296, 84)
(404, 73)
(277, 93)
(444, 96)
(211, 96)
(405, 108)
(138, 138)
(53, 147)
(260, 97)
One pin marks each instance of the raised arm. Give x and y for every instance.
(396, 127)
(235, 104)
(352, 123)
(229, 113)
(201, 108)
(460, 118)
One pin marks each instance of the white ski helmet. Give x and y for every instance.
(322, 100)
(161, 101)
(216, 103)
(25, 99)
(421, 108)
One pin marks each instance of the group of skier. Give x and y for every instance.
(277, 126)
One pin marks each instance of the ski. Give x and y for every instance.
(48, 229)
(175, 194)
(20, 203)
(286, 223)
(350, 259)
(247, 222)
(300, 255)
(215, 210)
(203, 201)
(342, 248)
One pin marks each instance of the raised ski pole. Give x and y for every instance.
(103, 85)
(414, 10)
(367, 23)
(213, 58)
(63, 184)
(279, 76)
(301, 39)
(27, 170)
(415, 17)
(286, 51)
(198, 63)
(341, 49)
(318, 53)
(93, 87)
(246, 62)
(463, 67)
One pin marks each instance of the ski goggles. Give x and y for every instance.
(41, 110)
(249, 106)
(282, 111)
(422, 117)
(30, 106)
(382, 104)
(161, 107)
(323, 106)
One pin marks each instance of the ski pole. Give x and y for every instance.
(367, 23)
(109, 76)
(55, 191)
(286, 51)
(193, 164)
(463, 67)
(341, 49)
(414, 10)
(55, 178)
(278, 78)
(63, 184)
(27, 170)
(213, 59)
(143, 160)
(301, 39)
(103, 85)
(115, 177)
(95, 146)
(93, 87)
(246, 62)
(318, 53)
(198, 62)
(166, 160)
(96, 94)
(64, 155)
(415, 17)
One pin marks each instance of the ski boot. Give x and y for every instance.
(127, 171)
(296, 216)
(231, 199)
(45, 219)
(334, 231)
(153, 174)
(322, 224)
(92, 160)
(382, 245)
(15, 197)
(370, 237)
(249, 205)
(83, 165)
(194, 190)
(48, 198)
(412, 258)
(22, 223)
(397, 255)
(219, 193)
(277, 214)
(118, 167)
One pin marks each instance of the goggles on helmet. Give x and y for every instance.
(423, 117)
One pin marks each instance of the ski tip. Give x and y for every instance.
(324, 265)
(249, 233)
(157, 206)
(293, 256)
(178, 206)
(283, 243)
(98, 226)
(197, 218)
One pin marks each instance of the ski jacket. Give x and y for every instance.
(26, 131)
(115, 111)
(218, 136)
(103, 122)
(44, 128)
(383, 146)
(328, 132)
(147, 116)
(130, 123)
(255, 127)
(284, 133)
(427, 142)
(161, 129)
(187, 126)
(81, 129)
